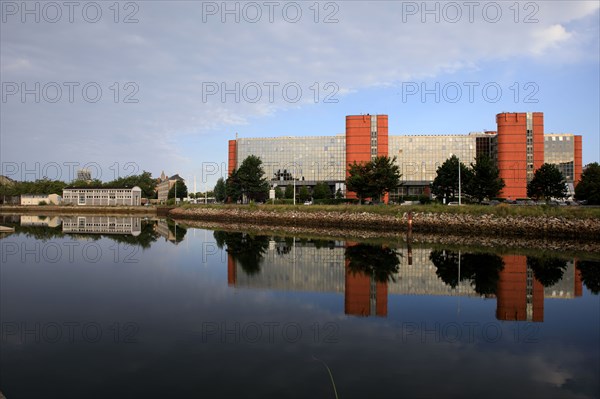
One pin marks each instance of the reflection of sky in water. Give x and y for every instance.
(194, 334)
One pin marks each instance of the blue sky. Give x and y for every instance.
(174, 57)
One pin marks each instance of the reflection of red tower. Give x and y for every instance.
(577, 284)
(362, 295)
(231, 270)
(520, 150)
(519, 296)
(366, 138)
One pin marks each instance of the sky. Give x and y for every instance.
(125, 87)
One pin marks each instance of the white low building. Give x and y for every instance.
(36, 199)
(102, 196)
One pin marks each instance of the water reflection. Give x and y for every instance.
(367, 274)
(132, 230)
(234, 306)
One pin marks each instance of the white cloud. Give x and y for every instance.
(171, 52)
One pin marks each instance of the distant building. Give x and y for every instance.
(164, 186)
(84, 174)
(36, 199)
(518, 147)
(102, 196)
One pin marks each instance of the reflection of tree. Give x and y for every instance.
(245, 248)
(373, 260)
(147, 236)
(546, 270)
(177, 230)
(446, 263)
(590, 274)
(43, 233)
(481, 269)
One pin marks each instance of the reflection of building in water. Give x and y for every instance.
(305, 267)
(300, 267)
(570, 286)
(102, 225)
(45, 221)
(519, 296)
(162, 228)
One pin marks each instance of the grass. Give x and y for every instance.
(574, 212)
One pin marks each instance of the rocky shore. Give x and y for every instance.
(422, 222)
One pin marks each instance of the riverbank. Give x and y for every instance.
(580, 224)
(78, 210)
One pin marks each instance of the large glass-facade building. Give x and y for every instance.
(518, 147)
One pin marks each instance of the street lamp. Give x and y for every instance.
(459, 183)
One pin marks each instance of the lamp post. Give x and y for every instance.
(459, 183)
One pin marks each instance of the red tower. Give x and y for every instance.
(520, 150)
(232, 164)
(366, 138)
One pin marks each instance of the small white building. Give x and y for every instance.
(102, 196)
(36, 199)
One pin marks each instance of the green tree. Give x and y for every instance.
(180, 188)
(289, 191)
(220, 190)
(339, 194)
(588, 187)
(251, 178)
(303, 194)
(233, 187)
(547, 183)
(321, 191)
(145, 181)
(445, 184)
(374, 178)
(279, 193)
(485, 181)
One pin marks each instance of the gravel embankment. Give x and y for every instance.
(423, 222)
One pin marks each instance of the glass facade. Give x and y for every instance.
(321, 158)
(559, 150)
(420, 156)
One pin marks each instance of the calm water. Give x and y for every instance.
(127, 307)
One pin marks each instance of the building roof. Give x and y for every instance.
(100, 188)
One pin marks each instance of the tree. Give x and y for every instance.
(374, 178)
(321, 191)
(445, 184)
(251, 178)
(279, 193)
(220, 190)
(143, 181)
(588, 188)
(485, 181)
(547, 183)
(289, 191)
(233, 187)
(303, 194)
(339, 194)
(180, 188)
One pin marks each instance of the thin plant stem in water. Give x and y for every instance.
(330, 375)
